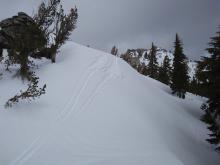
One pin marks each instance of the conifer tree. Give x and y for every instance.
(202, 79)
(57, 26)
(164, 71)
(152, 68)
(114, 51)
(32, 92)
(210, 78)
(180, 70)
(193, 86)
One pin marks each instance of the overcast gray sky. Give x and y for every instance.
(136, 23)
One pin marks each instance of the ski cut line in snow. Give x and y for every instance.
(71, 100)
(95, 92)
(82, 89)
(37, 143)
(29, 152)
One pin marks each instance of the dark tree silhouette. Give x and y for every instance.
(179, 75)
(114, 51)
(209, 77)
(164, 71)
(57, 26)
(152, 67)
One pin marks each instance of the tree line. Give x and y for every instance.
(175, 75)
(205, 82)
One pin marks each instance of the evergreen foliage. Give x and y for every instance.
(202, 77)
(179, 75)
(114, 51)
(194, 86)
(209, 77)
(152, 68)
(31, 93)
(57, 26)
(165, 71)
(45, 16)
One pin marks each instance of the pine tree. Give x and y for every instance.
(164, 71)
(152, 68)
(180, 70)
(57, 26)
(210, 78)
(202, 78)
(114, 51)
(32, 92)
(193, 86)
(179, 75)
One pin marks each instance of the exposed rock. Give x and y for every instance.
(21, 32)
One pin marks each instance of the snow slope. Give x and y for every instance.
(98, 110)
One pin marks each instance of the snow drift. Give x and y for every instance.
(98, 110)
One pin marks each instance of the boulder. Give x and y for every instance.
(20, 31)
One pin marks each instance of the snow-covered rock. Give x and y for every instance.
(98, 110)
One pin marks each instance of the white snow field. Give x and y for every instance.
(97, 110)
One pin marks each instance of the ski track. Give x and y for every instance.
(102, 148)
(71, 104)
(36, 144)
(99, 85)
(30, 150)
(85, 80)
(94, 93)
(82, 89)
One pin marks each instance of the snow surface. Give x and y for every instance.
(98, 110)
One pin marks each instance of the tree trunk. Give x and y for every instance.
(1, 51)
(24, 68)
(24, 65)
(53, 58)
(53, 51)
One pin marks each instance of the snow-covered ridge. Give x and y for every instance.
(97, 110)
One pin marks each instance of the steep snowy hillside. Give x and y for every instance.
(99, 111)
(140, 56)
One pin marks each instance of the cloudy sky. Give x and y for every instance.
(136, 23)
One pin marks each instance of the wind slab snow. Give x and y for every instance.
(99, 111)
